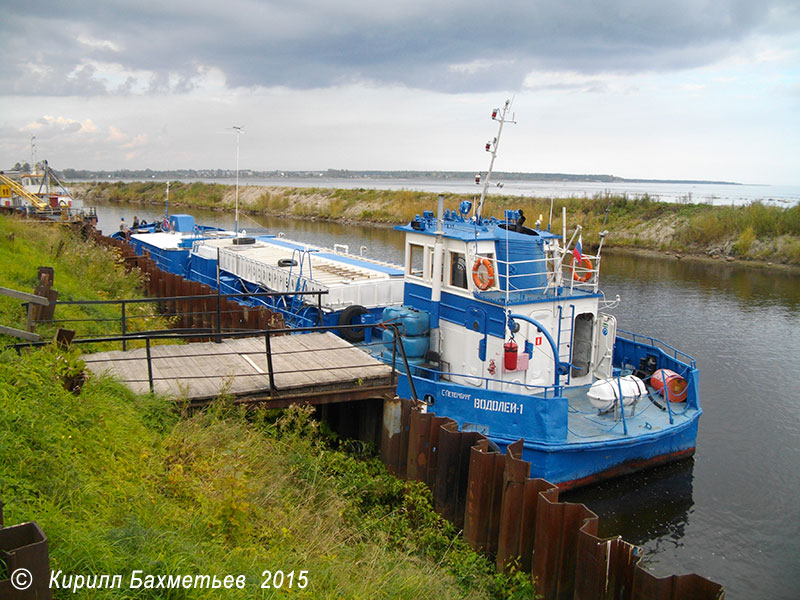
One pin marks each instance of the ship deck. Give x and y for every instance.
(585, 423)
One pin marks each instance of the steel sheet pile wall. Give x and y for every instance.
(23, 550)
(505, 513)
(197, 313)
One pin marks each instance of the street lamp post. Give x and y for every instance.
(239, 131)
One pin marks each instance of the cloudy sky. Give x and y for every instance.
(702, 89)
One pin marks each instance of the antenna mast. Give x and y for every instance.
(491, 146)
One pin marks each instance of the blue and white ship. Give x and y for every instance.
(519, 344)
(169, 241)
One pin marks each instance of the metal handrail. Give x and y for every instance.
(660, 345)
(123, 302)
(544, 389)
(550, 265)
(268, 333)
(195, 297)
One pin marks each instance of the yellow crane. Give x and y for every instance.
(20, 191)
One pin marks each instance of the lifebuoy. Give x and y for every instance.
(287, 262)
(483, 273)
(587, 275)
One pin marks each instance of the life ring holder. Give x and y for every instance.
(586, 264)
(483, 281)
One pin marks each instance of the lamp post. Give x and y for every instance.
(239, 131)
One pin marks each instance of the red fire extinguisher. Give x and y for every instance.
(510, 355)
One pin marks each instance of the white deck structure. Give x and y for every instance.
(281, 265)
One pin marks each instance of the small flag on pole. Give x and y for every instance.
(577, 251)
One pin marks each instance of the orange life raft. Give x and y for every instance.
(677, 387)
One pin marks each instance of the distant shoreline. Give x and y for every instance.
(245, 175)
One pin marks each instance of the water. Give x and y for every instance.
(731, 514)
(701, 193)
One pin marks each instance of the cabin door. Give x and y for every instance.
(582, 338)
(605, 333)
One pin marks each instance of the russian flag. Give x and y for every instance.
(577, 251)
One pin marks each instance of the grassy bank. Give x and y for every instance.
(755, 232)
(122, 482)
(83, 271)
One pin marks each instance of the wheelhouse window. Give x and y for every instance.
(416, 260)
(458, 270)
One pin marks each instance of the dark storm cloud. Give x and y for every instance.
(460, 45)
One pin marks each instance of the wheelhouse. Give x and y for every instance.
(471, 275)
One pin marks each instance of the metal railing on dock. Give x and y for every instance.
(280, 364)
(210, 313)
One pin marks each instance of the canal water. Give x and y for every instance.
(732, 513)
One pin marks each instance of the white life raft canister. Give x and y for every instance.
(604, 393)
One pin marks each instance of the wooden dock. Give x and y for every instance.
(314, 368)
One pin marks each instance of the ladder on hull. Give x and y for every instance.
(566, 325)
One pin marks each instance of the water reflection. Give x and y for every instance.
(649, 509)
(752, 286)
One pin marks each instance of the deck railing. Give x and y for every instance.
(655, 343)
(557, 271)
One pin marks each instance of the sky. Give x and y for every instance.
(678, 89)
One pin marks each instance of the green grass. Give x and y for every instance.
(83, 271)
(121, 482)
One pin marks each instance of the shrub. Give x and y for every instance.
(745, 242)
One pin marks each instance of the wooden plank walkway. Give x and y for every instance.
(314, 368)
